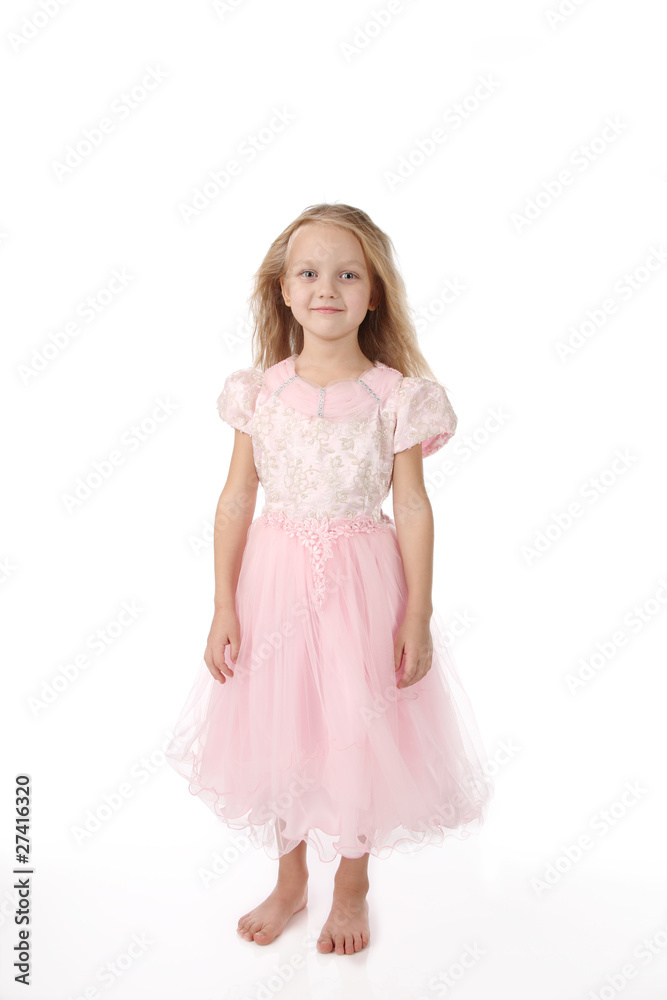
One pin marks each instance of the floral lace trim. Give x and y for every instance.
(317, 535)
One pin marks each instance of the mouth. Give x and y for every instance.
(326, 309)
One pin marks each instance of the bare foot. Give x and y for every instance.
(346, 929)
(268, 920)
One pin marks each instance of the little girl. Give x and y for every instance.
(327, 709)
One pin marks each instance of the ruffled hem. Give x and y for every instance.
(327, 843)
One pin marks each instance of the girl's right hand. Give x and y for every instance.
(225, 631)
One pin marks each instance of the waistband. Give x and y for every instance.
(318, 533)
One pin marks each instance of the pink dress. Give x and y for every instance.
(312, 739)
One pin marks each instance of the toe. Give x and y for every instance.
(349, 944)
(253, 927)
(340, 944)
(358, 945)
(324, 943)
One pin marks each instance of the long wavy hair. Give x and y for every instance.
(387, 333)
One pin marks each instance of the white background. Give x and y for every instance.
(539, 431)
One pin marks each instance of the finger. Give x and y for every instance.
(418, 671)
(221, 663)
(213, 670)
(235, 644)
(425, 666)
(408, 675)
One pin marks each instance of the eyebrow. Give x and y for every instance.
(309, 260)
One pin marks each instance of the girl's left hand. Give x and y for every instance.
(414, 640)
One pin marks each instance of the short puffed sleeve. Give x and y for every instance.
(236, 402)
(423, 413)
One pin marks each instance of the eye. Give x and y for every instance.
(308, 271)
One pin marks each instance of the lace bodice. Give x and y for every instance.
(328, 452)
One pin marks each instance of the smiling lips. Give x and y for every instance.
(326, 310)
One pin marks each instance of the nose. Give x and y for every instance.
(324, 288)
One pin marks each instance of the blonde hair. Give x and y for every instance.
(386, 334)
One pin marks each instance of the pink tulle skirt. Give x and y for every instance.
(312, 739)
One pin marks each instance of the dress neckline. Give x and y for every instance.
(316, 385)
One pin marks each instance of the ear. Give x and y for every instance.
(375, 299)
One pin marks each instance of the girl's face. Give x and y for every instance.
(326, 271)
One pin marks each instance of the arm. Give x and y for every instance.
(413, 516)
(233, 517)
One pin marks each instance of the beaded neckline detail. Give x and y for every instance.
(336, 381)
